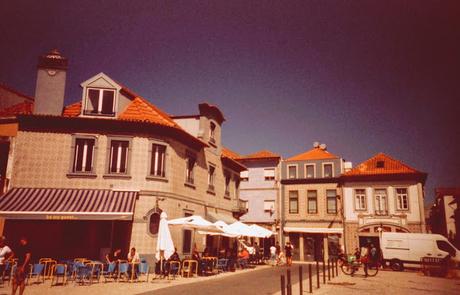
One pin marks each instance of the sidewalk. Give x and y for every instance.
(117, 288)
(385, 282)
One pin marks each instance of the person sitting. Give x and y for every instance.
(174, 256)
(113, 257)
(5, 253)
(243, 258)
(133, 257)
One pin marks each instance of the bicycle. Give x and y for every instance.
(352, 265)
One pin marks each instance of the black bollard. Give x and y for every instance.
(317, 274)
(288, 282)
(283, 286)
(300, 280)
(333, 269)
(336, 268)
(309, 279)
(328, 271)
(324, 272)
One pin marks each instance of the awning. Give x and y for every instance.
(67, 204)
(213, 217)
(313, 230)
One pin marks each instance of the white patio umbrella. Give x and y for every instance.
(165, 244)
(240, 229)
(223, 226)
(261, 231)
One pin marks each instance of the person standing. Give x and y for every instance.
(5, 253)
(288, 250)
(273, 255)
(23, 254)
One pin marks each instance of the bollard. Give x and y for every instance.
(288, 282)
(328, 271)
(317, 274)
(324, 272)
(300, 280)
(336, 268)
(309, 279)
(283, 286)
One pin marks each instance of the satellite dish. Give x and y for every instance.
(316, 144)
(323, 146)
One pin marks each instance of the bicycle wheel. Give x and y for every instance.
(347, 268)
(372, 270)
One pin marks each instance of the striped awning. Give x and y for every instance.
(67, 204)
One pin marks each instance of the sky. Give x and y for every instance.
(361, 76)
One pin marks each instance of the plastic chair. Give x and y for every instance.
(10, 266)
(110, 271)
(82, 273)
(222, 265)
(143, 269)
(37, 271)
(174, 268)
(59, 270)
(123, 268)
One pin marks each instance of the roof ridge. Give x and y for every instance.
(6, 87)
(310, 152)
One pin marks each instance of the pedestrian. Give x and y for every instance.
(273, 255)
(278, 248)
(5, 253)
(23, 254)
(288, 250)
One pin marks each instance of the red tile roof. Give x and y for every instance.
(72, 110)
(142, 110)
(226, 152)
(21, 108)
(389, 166)
(263, 154)
(314, 154)
(7, 88)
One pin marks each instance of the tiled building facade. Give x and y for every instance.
(113, 140)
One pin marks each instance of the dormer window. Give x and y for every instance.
(380, 164)
(100, 102)
(212, 132)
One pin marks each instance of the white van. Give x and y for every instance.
(408, 249)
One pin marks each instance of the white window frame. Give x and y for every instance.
(296, 171)
(399, 196)
(211, 177)
(289, 198)
(332, 169)
(314, 170)
(335, 200)
(227, 182)
(157, 155)
(316, 202)
(189, 172)
(75, 150)
(362, 198)
(244, 175)
(212, 132)
(100, 101)
(378, 203)
(118, 162)
(269, 206)
(268, 176)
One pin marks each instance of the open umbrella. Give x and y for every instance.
(240, 229)
(260, 231)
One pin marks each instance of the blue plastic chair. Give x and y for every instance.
(123, 268)
(222, 265)
(143, 269)
(82, 273)
(59, 270)
(110, 271)
(37, 271)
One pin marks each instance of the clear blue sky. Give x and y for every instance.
(361, 76)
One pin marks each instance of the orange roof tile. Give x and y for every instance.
(72, 110)
(142, 110)
(226, 152)
(21, 108)
(263, 154)
(389, 166)
(314, 154)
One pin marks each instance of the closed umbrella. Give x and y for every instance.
(165, 245)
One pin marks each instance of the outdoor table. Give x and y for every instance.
(190, 263)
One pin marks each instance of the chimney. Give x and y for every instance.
(51, 76)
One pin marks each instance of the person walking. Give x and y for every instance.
(23, 254)
(288, 250)
(273, 255)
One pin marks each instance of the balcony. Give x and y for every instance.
(241, 208)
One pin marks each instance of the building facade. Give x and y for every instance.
(260, 188)
(97, 175)
(444, 215)
(381, 194)
(310, 203)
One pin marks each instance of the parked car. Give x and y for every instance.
(407, 249)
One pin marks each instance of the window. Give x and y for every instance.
(190, 164)
(187, 238)
(360, 199)
(312, 202)
(100, 102)
(83, 155)
(380, 164)
(244, 175)
(380, 201)
(269, 174)
(310, 171)
(402, 202)
(292, 172)
(154, 222)
(327, 170)
(293, 202)
(212, 132)
(157, 162)
(211, 176)
(269, 206)
(227, 184)
(119, 150)
(446, 247)
(331, 196)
